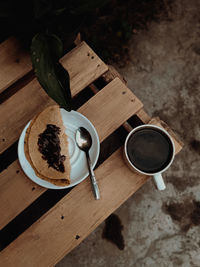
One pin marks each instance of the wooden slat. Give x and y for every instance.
(111, 74)
(107, 110)
(15, 187)
(114, 94)
(82, 214)
(84, 71)
(144, 117)
(31, 99)
(18, 110)
(14, 61)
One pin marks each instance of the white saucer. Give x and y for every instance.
(79, 171)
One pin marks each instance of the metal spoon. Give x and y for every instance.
(84, 142)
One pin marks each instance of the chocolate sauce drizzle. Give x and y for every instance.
(49, 147)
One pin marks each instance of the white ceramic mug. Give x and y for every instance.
(158, 179)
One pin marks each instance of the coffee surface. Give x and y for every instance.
(149, 150)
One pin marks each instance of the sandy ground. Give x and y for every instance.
(161, 228)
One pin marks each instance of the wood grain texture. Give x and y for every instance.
(83, 65)
(22, 106)
(107, 110)
(15, 188)
(111, 74)
(14, 61)
(82, 214)
(115, 102)
(18, 110)
(144, 117)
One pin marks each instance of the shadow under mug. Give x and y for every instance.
(157, 174)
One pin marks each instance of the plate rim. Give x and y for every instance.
(48, 184)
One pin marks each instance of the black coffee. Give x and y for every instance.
(149, 150)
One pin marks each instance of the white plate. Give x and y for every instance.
(79, 170)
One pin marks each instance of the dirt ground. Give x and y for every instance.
(160, 228)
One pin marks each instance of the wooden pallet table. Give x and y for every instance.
(39, 226)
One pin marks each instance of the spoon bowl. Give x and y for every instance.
(83, 139)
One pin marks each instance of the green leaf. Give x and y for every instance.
(55, 46)
(54, 79)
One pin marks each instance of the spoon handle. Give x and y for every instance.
(92, 177)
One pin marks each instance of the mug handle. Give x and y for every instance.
(158, 179)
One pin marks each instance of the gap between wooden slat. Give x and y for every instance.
(22, 106)
(14, 61)
(50, 197)
(114, 94)
(107, 110)
(141, 114)
(16, 86)
(18, 110)
(77, 214)
(81, 215)
(84, 71)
